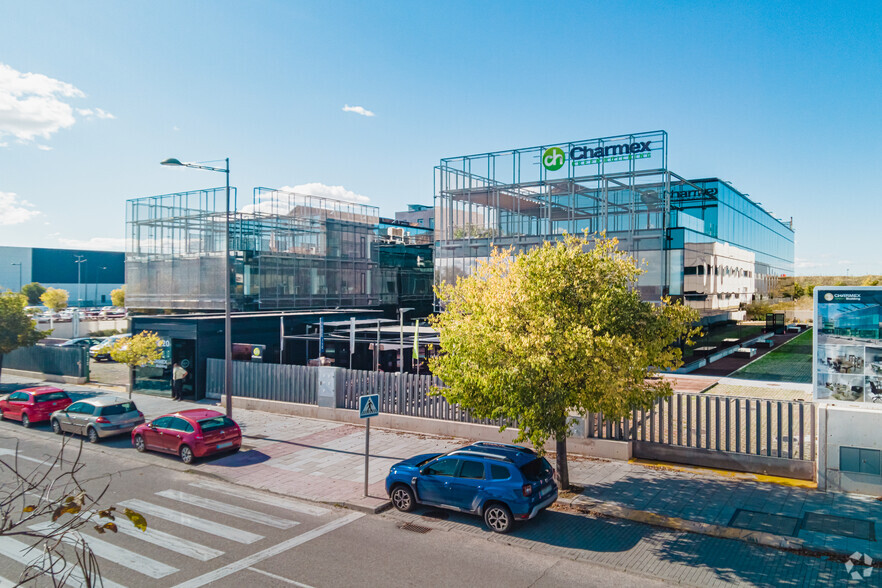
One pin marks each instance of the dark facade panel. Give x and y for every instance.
(58, 266)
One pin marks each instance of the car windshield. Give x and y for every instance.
(120, 408)
(50, 397)
(536, 470)
(215, 423)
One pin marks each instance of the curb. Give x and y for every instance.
(362, 507)
(594, 507)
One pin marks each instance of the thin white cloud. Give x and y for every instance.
(175, 128)
(806, 264)
(44, 147)
(97, 113)
(325, 191)
(358, 110)
(100, 243)
(36, 106)
(14, 210)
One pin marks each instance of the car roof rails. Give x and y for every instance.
(505, 445)
(480, 454)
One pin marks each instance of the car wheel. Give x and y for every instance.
(403, 498)
(56, 427)
(139, 444)
(25, 420)
(92, 434)
(498, 518)
(186, 454)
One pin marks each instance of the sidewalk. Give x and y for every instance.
(324, 461)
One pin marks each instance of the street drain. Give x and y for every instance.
(414, 528)
(842, 526)
(436, 514)
(753, 520)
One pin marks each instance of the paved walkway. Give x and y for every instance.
(324, 461)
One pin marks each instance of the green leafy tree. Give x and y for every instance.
(33, 291)
(798, 291)
(555, 332)
(810, 290)
(55, 299)
(136, 351)
(118, 297)
(16, 327)
(870, 281)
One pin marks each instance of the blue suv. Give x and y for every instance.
(503, 483)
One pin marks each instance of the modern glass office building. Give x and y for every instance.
(700, 240)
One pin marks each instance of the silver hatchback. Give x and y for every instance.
(97, 417)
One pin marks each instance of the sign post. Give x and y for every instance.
(368, 406)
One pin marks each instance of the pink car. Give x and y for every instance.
(32, 405)
(189, 434)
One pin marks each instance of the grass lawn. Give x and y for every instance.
(792, 362)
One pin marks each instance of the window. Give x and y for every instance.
(215, 423)
(536, 470)
(162, 422)
(498, 472)
(179, 424)
(80, 408)
(472, 469)
(121, 408)
(18, 397)
(442, 467)
(50, 397)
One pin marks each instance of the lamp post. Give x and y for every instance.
(228, 336)
(19, 274)
(79, 263)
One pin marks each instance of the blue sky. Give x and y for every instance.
(779, 98)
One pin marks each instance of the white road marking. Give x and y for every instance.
(228, 509)
(280, 578)
(16, 551)
(261, 497)
(269, 552)
(11, 452)
(129, 559)
(184, 547)
(203, 525)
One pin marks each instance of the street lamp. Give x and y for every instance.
(79, 263)
(19, 274)
(228, 336)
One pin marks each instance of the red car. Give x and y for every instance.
(32, 405)
(189, 434)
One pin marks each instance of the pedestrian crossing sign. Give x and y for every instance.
(368, 406)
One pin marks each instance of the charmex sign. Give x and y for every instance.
(553, 157)
(690, 194)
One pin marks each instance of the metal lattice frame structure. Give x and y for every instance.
(509, 198)
(288, 251)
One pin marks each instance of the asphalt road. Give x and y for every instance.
(205, 532)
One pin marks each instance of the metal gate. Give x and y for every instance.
(775, 437)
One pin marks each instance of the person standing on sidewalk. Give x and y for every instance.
(178, 375)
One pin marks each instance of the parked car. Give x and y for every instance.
(189, 434)
(82, 342)
(503, 483)
(102, 350)
(112, 312)
(96, 418)
(33, 405)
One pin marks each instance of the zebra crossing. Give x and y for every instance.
(183, 534)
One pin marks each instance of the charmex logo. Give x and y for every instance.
(688, 194)
(583, 155)
(553, 158)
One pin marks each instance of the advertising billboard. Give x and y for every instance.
(847, 351)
